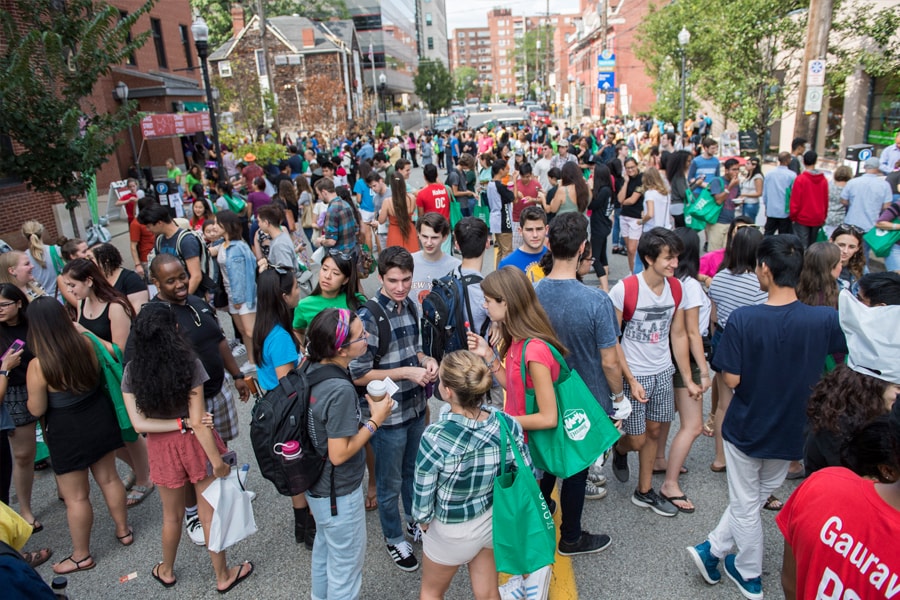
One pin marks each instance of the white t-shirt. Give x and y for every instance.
(660, 210)
(426, 271)
(693, 296)
(645, 339)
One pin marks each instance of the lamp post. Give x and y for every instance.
(200, 31)
(428, 101)
(382, 84)
(121, 94)
(684, 36)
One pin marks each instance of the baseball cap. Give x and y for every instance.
(563, 142)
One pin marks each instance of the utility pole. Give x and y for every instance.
(818, 27)
(265, 48)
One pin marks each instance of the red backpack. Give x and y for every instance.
(632, 288)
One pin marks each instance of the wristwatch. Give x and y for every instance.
(5, 373)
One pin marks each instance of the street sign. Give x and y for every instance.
(610, 98)
(815, 73)
(606, 80)
(865, 155)
(606, 61)
(813, 102)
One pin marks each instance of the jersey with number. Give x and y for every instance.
(433, 198)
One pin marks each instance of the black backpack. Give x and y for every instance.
(208, 266)
(282, 415)
(445, 311)
(383, 323)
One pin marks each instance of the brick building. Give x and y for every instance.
(157, 78)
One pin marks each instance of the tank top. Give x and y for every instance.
(101, 327)
(567, 205)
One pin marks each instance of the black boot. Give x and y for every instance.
(301, 515)
(310, 537)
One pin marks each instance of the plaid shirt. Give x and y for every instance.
(457, 462)
(405, 343)
(340, 225)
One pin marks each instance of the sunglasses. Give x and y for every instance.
(845, 228)
(280, 269)
(340, 254)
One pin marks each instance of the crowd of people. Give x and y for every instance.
(782, 323)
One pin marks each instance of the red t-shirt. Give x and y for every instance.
(141, 235)
(537, 351)
(433, 198)
(132, 204)
(528, 190)
(844, 537)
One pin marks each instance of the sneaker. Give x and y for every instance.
(593, 491)
(414, 532)
(652, 500)
(537, 585)
(194, 529)
(588, 543)
(750, 588)
(622, 409)
(238, 350)
(514, 589)
(403, 556)
(596, 476)
(248, 369)
(707, 564)
(620, 465)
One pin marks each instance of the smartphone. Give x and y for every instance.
(229, 458)
(14, 347)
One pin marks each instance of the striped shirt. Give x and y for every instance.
(340, 225)
(457, 462)
(734, 291)
(405, 343)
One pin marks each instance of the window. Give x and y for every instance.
(260, 63)
(367, 22)
(186, 43)
(224, 68)
(503, 71)
(131, 58)
(428, 19)
(461, 34)
(503, 61)
(431, 43)
(156, 28)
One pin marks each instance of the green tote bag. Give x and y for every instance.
(523, 531)
(701, 209)
(882, 241)
(482, 210)
(111, 370)
(583, 431)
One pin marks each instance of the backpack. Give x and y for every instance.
(632, 288)
(208, 267)
(445, 311)
(282, 415)
(383, 323)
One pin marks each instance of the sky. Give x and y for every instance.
(473, 13)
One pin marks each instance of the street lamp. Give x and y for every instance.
(200, 31)
(430, 114)
(684, 36)
(382, 84)
(121, 94)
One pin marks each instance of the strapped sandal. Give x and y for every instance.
(38, 557)
(77, 564)
(138, 494)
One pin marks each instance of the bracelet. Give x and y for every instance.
(617, 396)
(371, 429)
(181, 425)
(240, 375)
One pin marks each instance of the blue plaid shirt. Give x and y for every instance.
(405, 343)
(340, 225)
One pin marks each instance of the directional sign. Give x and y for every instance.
(815, 73)
(610, 98)
(606, 80)
(813, 102)
(606, 61)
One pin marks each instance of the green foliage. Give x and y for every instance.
(486, 93)
(217, 13)
(861, 37)
(384, 128)
(441, 93)
(266, 152)
(242, 94)
(464, 79)
(50, 62)
(534, 59)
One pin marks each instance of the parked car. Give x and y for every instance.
(472, 102)
(484, 107)
(541, 116)
(442, 124)
(530, 105)
(460, 116)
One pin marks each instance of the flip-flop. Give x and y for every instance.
(138, 494)
(240, 577)
(681, 498)
(683, 471)
(796, 474)
(771, 503)
(154, 572)
(77, 564)
(38, 557)
(715, 469)
(36, 526)
(371, 503)
(127, 535)
(129, 481)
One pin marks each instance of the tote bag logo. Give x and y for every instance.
(577, 424)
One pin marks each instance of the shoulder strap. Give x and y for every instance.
(382, 321)
(326, 372)
(632, 288)
(675, 286)
(181, 234)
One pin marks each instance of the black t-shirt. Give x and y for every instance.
(507, 198)
(634, 210)
(204, 339)
(470, 147)
(9, 334)
(599, 205)
(129, 282)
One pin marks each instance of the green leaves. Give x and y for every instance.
(441, 93)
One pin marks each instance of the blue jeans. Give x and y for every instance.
(340, 546)
(892, 262)
(616, 237)
(395, 464)
(751, 210)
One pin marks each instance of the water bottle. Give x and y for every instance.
(242, 474)
(292, 463)
(60, 588)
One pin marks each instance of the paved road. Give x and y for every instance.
(646, 560)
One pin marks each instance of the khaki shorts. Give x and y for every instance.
(455, 544)
(631, 228)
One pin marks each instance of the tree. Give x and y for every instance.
(441, 93)
(535, 60)
(464, 82)
(863, 39)
(53, 54)
(217, 13)
(242, 92)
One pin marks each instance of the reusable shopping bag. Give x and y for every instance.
(523, 531)
(111, 368)
(232, 519)
(881, 241)
(482, 210)
(583, 431)
(701, 209)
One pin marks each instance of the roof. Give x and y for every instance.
(329, 37)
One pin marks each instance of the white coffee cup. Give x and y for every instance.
(377, 390)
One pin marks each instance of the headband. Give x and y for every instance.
(342, 329)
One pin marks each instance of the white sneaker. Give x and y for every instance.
(248, 369)
(595, 474)
(594, 492)
(622, 409)
(194, 530)
(238, 350)
(514, 589)
(537, 585)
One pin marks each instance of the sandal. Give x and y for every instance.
(239, 578)
(709, 427)
(137, 494)
(717, 469)
(773, 504)
(154, 572)
(130, 534)
(36, 526)
(129, 481)
(37, 557)
(682, 498)
(77, 564)
(371, 502)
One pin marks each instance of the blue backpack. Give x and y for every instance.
(445, 311)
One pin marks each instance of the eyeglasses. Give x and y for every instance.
(845, 228)
(742, 225)
(5, 305)
(363, 337)
(342, 255)
(588, 259)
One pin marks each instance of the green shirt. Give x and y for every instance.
(310, 306)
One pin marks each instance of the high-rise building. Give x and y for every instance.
(432, 17)
(387, 29)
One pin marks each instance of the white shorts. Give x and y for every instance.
(245, 309)
(455, 544)
(631, 228)
(367, 215)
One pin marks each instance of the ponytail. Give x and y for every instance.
(33, 231)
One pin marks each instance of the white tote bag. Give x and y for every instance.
(232, 518)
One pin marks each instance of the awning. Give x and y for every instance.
(195, 107)
(169, 125)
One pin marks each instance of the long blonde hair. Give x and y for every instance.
(652, 180)
(525, 317)
(10, 260)
(33, 232)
